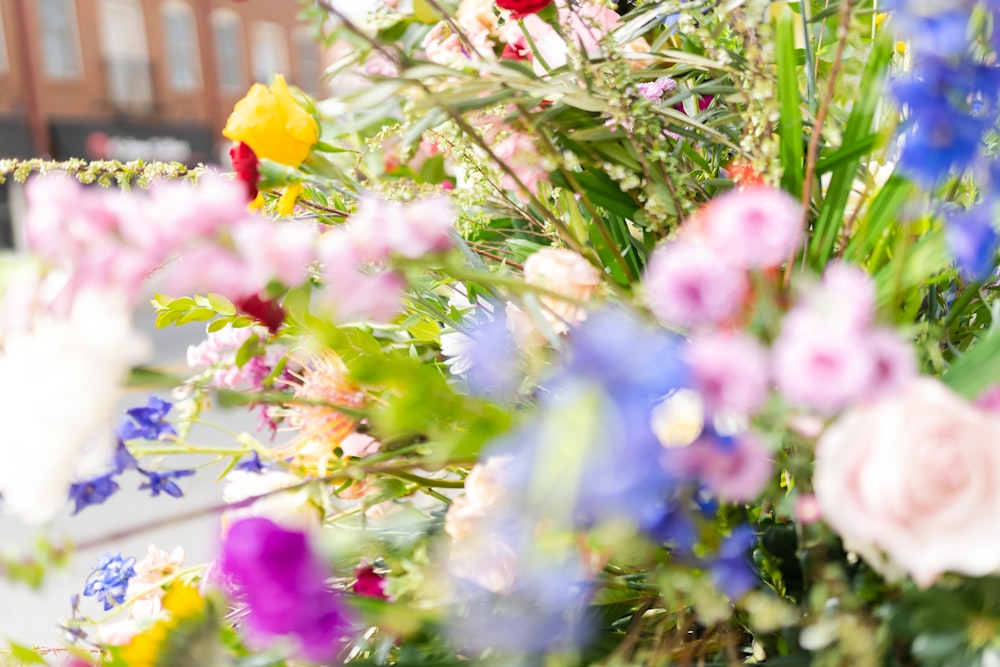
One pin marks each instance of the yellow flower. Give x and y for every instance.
(273, 124)
(182, 601)
(286, 202)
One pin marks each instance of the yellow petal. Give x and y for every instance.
(273, 124)
(182, 601)
(286, 203)
(257, 203)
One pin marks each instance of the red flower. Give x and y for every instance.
(245, 165)
(521, 8)
(267, 312)
(369, 583)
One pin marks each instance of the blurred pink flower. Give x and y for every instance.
(519, 152)
(211, 268)
(807, 509)
(380, 228)
(819, 365)
(845, 296)
(281, 251)
(736, 469)
(145, 587)
(359, 445)
(730, 371)
(755, 228)
(688, 284)
(913, 474)
(894, 364)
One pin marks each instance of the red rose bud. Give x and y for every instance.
(521, 8)
(245, 165)
(369, 583)
(268, 312)
(516, 51)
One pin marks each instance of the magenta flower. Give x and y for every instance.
(688, 284)
(729, 371)
(755, 228)
(369, 583)
(283, 585)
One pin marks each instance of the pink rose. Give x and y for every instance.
(914, 474)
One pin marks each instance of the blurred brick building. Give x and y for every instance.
(150, 79)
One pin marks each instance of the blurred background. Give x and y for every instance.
(139, 79)
(125, 80)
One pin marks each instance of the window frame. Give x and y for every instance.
(74, 50)
(183, 11)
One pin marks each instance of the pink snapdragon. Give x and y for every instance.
(688, 285)
(730, 371)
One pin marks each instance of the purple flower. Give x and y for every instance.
(616, 372)
(163, 482)
(251, 463)
(147, 423)
(731, 570)
(92, 492)
(283, 585)
(655, 90)
(109, 579)
(973, 241)
(124, 459)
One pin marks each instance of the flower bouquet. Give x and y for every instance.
(574, 334)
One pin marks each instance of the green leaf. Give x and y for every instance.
(790, 105)
(248, 350)
(856, 134)
(978, 368)
(221, 304)
(24, 655)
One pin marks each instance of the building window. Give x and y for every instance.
(309, 67)
(60, 40)
(270, 51)
(180, 34)
(126, 56)
(4, 63)
(227, 30)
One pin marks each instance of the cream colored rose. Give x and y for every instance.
(915, 474)
(564, 272)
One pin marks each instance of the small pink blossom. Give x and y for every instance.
(655, 90)
(755, 228)
(210, 268)
(380, 228)
(687, 284)
(807, 509)
(359, 445)
(145, 587)
(730, 371)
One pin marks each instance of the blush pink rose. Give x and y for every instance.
(915, 475)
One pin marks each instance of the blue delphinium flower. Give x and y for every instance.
(251, 463)
(950, 105)
(158, 482)
(973, 241)
(732, 570)
(109, 579)
(93, 492)
(616, 371)
(147, 423)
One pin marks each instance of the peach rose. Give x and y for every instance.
(916, 475)
(564, 272)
